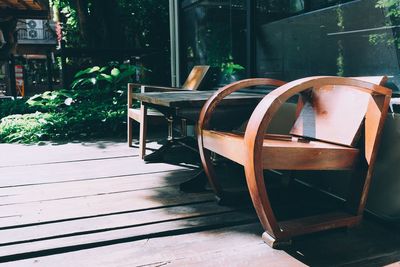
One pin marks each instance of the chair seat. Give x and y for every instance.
(135, 113)
(283, 151)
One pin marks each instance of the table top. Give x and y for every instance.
(195, 98)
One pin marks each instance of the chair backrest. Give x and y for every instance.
(195, 77)
(334, 113)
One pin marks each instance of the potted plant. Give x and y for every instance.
(230, 71)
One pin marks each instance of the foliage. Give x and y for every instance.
(229, 70)
(146, 23)
(131, 27)
(95, 106)
(70, 30)
(392, 11)
(393, 7)
(109, 77)
(114, 23)
(14, 106)
(27, 128)
(50, 100)
(340, 60)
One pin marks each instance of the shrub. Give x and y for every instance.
(14, 106)
(50, 100)
(27, 128)
(94, 107)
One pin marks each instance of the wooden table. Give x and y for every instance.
(187, 105)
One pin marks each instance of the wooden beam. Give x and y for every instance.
(22, 9)
(24, 14)
(42, 3)
(9, 3)
(24, 4)
(105, 52)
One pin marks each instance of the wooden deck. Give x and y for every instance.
(98, 204)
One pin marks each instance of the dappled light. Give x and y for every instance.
(199, 133)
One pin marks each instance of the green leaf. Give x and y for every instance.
(93, 81)
(237, 66)
(87, 71)
(76, 82)
(126, 74)
(68, 101)
(64, 93)
(47, 95)
(105, 77)
(84, 81)
(34, 103)
(115, 72)
(103, 69)
(123, 66)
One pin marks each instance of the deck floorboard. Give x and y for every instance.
(98, 204)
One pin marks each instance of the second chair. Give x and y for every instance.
(142, 114)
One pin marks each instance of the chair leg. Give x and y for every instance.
(143, 131)
(274, 243)
(129, 131)
(209, 170)
(359, 187)
(183, 128)
(171, 135)
(255, 182)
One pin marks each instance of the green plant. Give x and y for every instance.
(111, 77)
(392, 6)
(14, 106)
(27, 128)
(51, 100)
(94, 107)
(113, 23)
(230, 69)
(392, 12)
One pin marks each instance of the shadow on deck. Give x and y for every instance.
(98, 204)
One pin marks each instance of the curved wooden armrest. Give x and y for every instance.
(266, 109)
(220, 94)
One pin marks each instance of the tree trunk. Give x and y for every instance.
(8, 50)
(82, 9)
(8, 27)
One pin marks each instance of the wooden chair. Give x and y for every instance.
(333, 113)
(141, 115)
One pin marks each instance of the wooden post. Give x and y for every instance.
(49, 71)
(174, 37)
(63, 65)
(13, 87)
(250, 38)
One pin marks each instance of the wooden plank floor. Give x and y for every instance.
(98, 204)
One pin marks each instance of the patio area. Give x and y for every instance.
(99, 204)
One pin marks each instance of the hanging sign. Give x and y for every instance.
(19, 80)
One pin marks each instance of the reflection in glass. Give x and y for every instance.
(213, 33)
(357, 38)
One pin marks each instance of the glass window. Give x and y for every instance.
(212, 33)
(356, 38)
